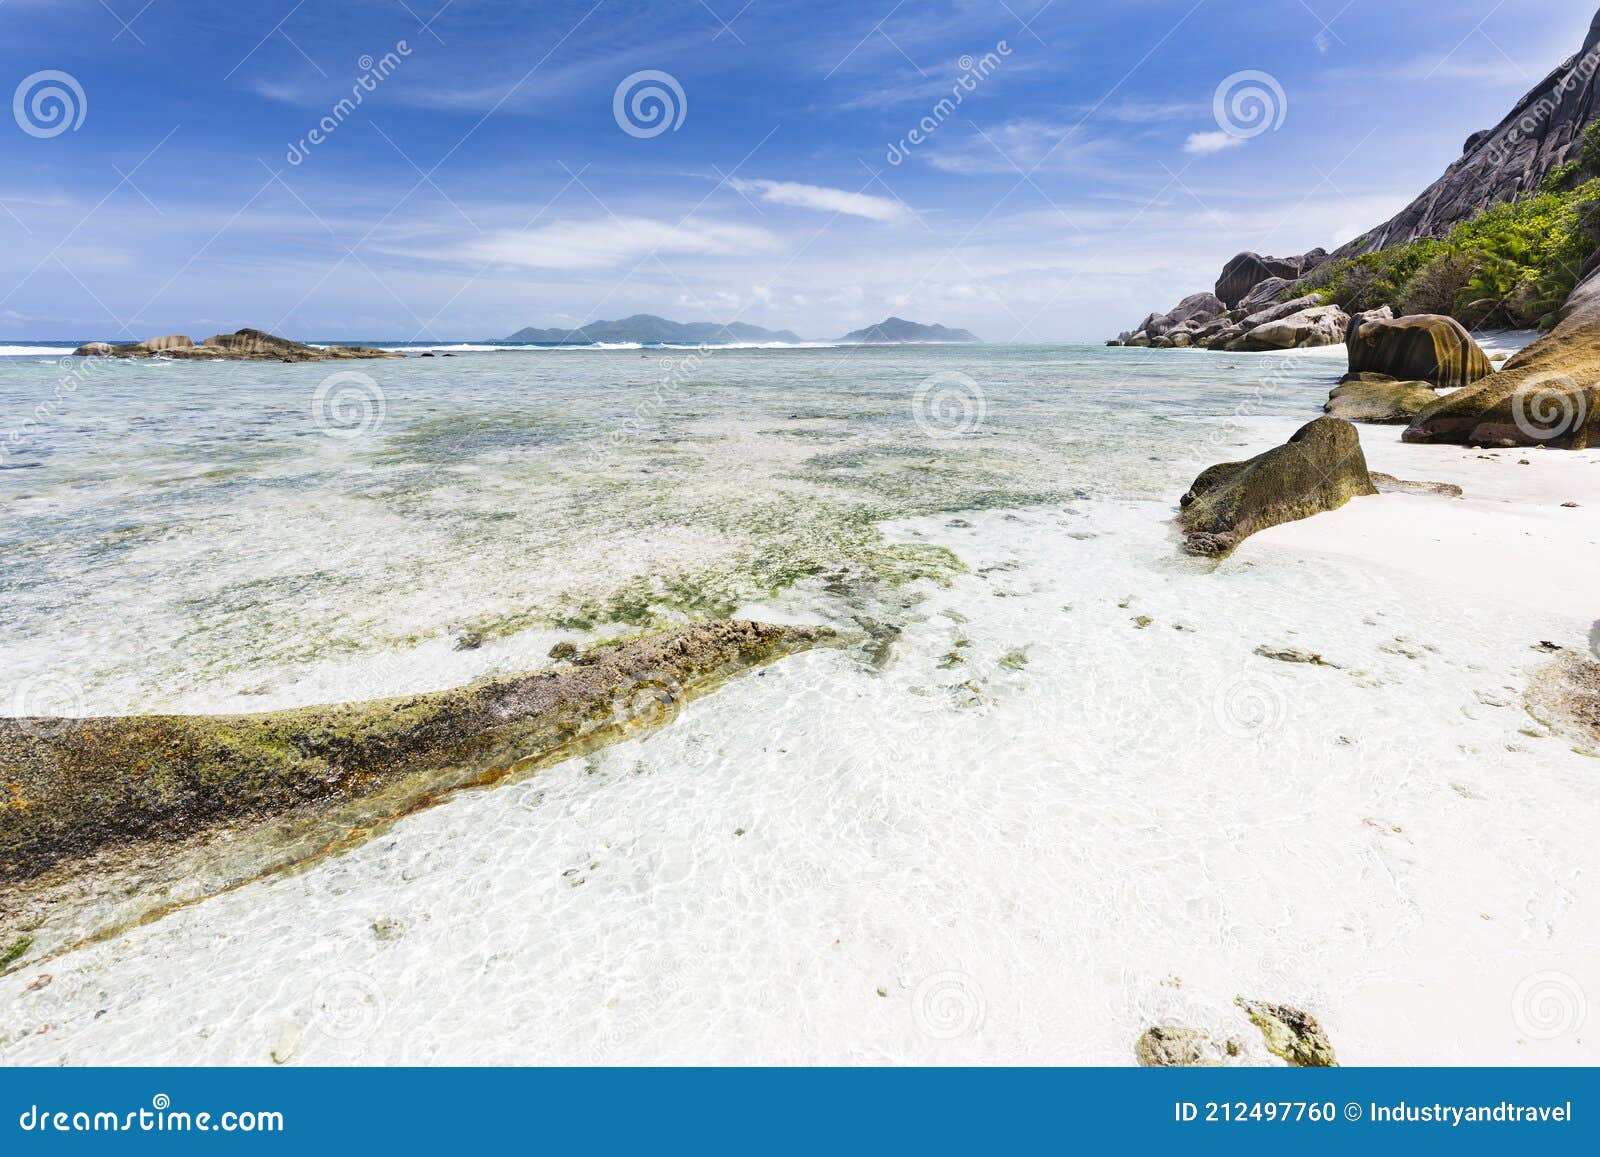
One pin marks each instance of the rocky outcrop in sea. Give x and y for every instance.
(1246, 311)
(252, 345)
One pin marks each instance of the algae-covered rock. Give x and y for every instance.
(77, 786)
(1382, 402)
(1320, 468)
(1291, 1033)
(1426, 347)
(1547, 395)
(1172, 1046)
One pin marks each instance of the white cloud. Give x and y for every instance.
(1214, 142)
(1023, 146)
(610, 241)
(823, 199)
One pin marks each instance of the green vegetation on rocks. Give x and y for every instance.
(1511, 266)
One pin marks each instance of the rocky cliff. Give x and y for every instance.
(1544, 130)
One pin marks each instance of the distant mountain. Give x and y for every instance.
(645, 327)
(896, 329)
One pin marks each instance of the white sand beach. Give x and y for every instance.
(1075, 803)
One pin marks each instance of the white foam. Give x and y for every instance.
(35, 351)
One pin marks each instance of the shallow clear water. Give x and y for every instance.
(191, 537)
(1067, 802)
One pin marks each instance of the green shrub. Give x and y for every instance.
(1511, 265)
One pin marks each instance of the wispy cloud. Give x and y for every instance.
(1142, 112)
(1212, 142)
(612, 241)
(823, 199)
(1022, 146)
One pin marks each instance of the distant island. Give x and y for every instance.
(646, 327)
(898, 329)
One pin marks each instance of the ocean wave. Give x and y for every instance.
(35, 351)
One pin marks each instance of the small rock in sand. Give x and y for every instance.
(1171, 1046)
(287, 1044)
(1291, 1033)
(1293, 655)
(1389, 484)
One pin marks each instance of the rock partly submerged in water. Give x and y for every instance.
(244, 345)
(1565, 696)
(1426, 347)
(1167, 1046)
(1291, 1033)
(1320, 468)
(1547, 395)
(1379, 399)
(80, 785)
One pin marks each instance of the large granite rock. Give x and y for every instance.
(1357, 320)
(1197, 307)
(1378, 399)
(1268, 292)
(1419, 347)
(1320, 468)
(1547, 395)
(1544, 130)
(171, 342)
(1321, 326)
(1279, 310)
(1248, 270)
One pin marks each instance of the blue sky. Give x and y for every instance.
(485, 183)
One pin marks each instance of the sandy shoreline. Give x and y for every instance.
(1399, 865)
